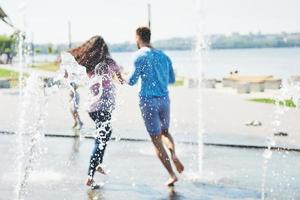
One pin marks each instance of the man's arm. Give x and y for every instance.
(137, 72)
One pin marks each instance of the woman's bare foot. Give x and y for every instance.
(171, 181)
(179, 166)
(89, 182)
(100, 170)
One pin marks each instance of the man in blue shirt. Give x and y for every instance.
(156, 72)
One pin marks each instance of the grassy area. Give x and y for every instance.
(288, 102)
(4, 73)
(48, 66)
(12, 75)
(178, 82)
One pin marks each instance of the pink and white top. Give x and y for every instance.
(102, 88)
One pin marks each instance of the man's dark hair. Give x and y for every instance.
(144, 33)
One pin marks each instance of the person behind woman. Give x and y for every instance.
(101, 68)
(74, 105)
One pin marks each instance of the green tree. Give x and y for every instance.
(7, 44)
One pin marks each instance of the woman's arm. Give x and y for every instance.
(117, 70)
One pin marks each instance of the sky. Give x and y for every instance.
(116, 20)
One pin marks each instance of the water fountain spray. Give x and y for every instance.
(288, 91)
(32, 112)
(30, 135)
(200, 47)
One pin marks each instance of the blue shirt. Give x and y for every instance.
(156, 72)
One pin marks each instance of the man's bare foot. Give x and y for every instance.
(172, 192)
(179, 166)
(100, 170)
(171, 181)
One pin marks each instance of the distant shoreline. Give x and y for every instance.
(254, 48)
(209, 49)
(216, 49)
(218, 41)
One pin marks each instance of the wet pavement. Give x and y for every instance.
(134, 172)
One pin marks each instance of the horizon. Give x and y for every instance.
(165, 39)
(171, 38)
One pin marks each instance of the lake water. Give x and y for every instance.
(280, 62)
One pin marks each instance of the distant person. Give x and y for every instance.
(100, 68)
(156, 72)
(74, 105)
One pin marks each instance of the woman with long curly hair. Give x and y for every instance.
(101, 68)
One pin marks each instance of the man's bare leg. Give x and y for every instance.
(169, 142)
(164, 158)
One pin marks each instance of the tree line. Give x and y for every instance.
(217, 41)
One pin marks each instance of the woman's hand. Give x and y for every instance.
(120, 78)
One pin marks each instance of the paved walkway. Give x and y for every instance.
(127, 120)
(224, 114)
(226, 170)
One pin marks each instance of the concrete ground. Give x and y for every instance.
(136, 173)
(224, 115)
(127, 120)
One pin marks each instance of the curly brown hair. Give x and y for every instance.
(90, 53)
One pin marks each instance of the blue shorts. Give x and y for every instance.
(156, 114)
